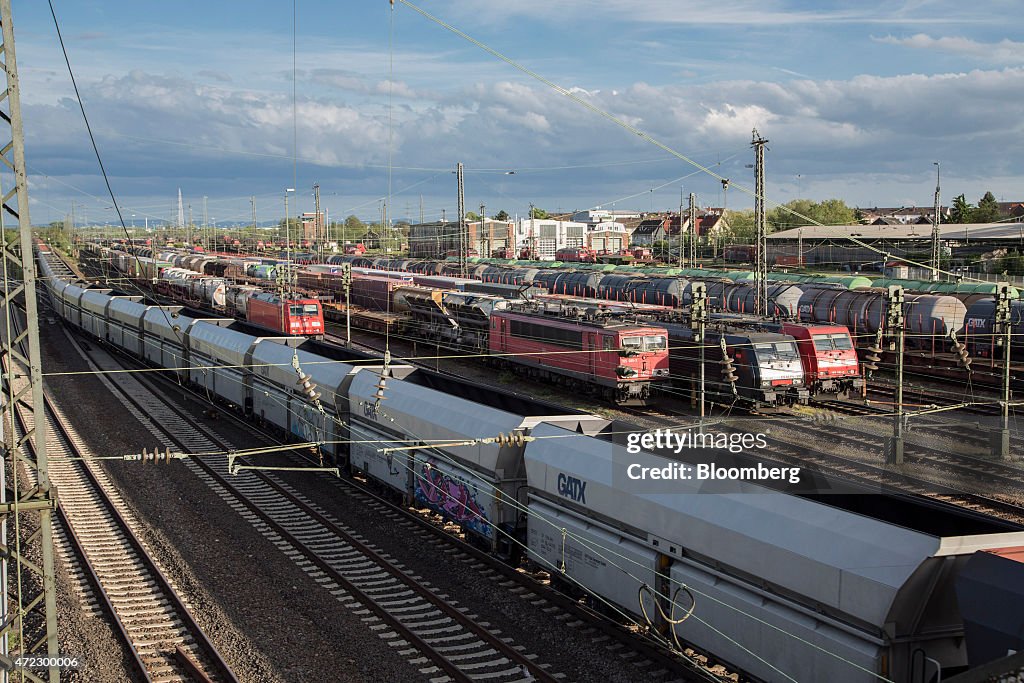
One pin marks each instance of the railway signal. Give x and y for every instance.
(699, 321)
(346, 282)
(894, 322)
(1003, 328)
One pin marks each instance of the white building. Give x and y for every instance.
(594, 216)
(544, 236)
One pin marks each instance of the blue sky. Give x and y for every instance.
(857, 103)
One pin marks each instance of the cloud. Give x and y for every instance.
(221, 76)
(698, 13)
(831, 132)
(1004, 52)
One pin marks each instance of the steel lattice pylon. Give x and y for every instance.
(30, 618)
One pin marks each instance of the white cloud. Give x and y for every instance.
(1004, 52)
(831, 132)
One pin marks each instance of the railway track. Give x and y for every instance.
(335, 557)
(426, 627)
(165, 642)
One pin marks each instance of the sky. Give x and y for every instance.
(858, 101)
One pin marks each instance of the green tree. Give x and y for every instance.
(827, 212)
(538, 213)
(501, 216)
(471, 216)
(741, 224)
(962, 211)
(354, 229)
(1012, 263)
(988, 209)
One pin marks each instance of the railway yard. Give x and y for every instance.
(207, 534)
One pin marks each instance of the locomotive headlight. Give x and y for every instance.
(798, 381)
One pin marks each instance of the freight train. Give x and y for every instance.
(848, 587)
(931, 318)
(191, 279)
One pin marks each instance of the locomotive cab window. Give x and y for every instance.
(777, 351)
(310, 309)
(609, 343)
(632, 345)
(655, 343)
(832, 342)
(295, 310)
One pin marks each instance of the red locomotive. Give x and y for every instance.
(620, 360)
(827, 353)
(302, 317)
(829, 359)
(576, 255)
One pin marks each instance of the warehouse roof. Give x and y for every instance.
(950, 231)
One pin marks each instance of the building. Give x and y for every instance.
(610, 236)
(543, 237)
(904, 215)
(437, 239)
(831, 246)
(595, 216)
(711, 223)
(313, 226)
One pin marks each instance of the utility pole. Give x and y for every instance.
(693, 230)
(32, 627)
(252, 200)
(894, 324)
(421, 209)
(800, 247)
(761, 228)
(206, 226)
(480, 235)
(317, 227)
(725, 211)
(190, 226)
(936, 219)
(346, 281)
(441, 236)
(463, 265)
(698, 320)
(1004, 328)
(679, 243)
(286, 279)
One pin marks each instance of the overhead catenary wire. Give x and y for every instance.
(631, 128)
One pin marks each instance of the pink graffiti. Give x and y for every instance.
(449, 495)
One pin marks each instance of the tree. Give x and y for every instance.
(827, 212)
(501, 216)
(741, 224)
(962, 211)
(354, 228)
(538, 213)
(1012, 263)
(471, 216)
(988, 209)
